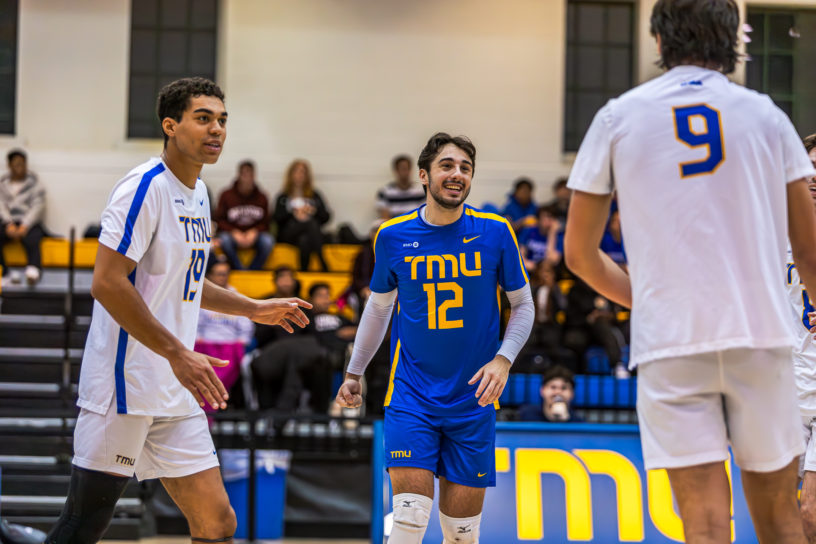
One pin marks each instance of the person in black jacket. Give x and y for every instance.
(300, 212)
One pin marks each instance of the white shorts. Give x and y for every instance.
(149, 446)
(689, 408)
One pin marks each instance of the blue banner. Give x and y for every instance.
(569, 482)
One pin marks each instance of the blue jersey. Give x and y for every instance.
(536, 243)
(447, 322)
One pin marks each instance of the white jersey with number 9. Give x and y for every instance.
(700, 166)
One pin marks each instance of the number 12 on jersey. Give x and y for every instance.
(194, 272)
(437, 318)
(699, 126)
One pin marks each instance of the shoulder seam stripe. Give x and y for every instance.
(499, 218)
(136, 206)
(394, 221)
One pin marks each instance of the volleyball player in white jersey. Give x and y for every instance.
(710, 178)
(804, 367)
(141, 385)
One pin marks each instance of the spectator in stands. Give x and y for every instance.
(220, 335)
(557, 391)
(286, 286)
(544, 347)
(22, 203)
(403, 194)
(356, 295)
(561, 200)
(542, 242)
(333, 331)
(242, 215)
(287, 368)
(591, 318)
(612, 241)
(300, 212)
(520, 209)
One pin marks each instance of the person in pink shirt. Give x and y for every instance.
(220, 335)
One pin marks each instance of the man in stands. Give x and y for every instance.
(22, 204)
(401, 195)
(243, 219)
(557, 391)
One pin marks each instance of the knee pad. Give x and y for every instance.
(89, 507)
(460, 530)
(411, 515)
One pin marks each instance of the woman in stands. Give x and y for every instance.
(300, 212)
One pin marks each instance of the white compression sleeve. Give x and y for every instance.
(522, 314)
(372, 329)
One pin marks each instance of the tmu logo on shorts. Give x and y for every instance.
(122, 460)
(400, 454)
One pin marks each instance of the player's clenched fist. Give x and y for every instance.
(194, 371)
(350, 394)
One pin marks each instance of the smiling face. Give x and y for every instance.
(449, 178)
(201, 133)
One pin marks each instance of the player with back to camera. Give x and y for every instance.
(446, 261)
(141, 386)
(804, 367)
(710, 178)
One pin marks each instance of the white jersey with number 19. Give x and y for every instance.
(804, 352)
(700, 165)
(164, 226)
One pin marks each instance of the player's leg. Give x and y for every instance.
(411, 456)
(766, 436)
(180, 451)
(808, 505)
(202, 499)
(682, 427)
(771, 498)
(709, 520)
(460, 511)
(106, 448)
(467, 467)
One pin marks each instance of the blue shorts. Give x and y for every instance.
(460, 448)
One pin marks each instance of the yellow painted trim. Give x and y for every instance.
(390, 223)
(500, 219)
(394, 364)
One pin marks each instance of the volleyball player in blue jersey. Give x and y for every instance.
(446, 261)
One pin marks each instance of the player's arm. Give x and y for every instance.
(112, 288)
(586, 222)
(370, 334)
(274, 311)
(802, 232)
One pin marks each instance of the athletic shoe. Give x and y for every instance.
(32, 274)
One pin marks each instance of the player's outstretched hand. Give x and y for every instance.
(494, 377)
(281, 311)
(350, 394)
(195, 372)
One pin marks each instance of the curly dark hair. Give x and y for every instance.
(440, 140)
(175, 97)
(697, 31)
(810, 142)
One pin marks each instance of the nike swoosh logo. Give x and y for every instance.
(482, 474)
(201, 202)
(466, 240)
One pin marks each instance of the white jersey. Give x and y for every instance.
(804, 352)
(164, 226)
(700, 166)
